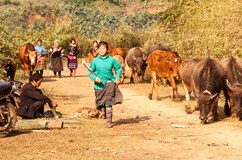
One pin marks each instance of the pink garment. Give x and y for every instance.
(71, 57)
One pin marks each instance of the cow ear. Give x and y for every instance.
(144, 57)
(134, 58)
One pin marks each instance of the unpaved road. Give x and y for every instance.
(145, 129)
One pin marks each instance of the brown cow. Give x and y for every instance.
(164, 64)
(9, 65)
(28, 57)
(121, 61)
(161, 47)
(111, 51)
(121, 52)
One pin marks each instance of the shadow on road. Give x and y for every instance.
(132, 120)
(14, 133)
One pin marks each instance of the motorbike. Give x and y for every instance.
(9, 102)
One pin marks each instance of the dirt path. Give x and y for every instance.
(144, 129)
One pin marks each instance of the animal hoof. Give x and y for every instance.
(196, 108)
(188, 110)
(234, 115)
(215, 119)
(159, 98)
(150, 96)
(203, 121)
(177, 100)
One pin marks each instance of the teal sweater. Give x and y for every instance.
(102, 67)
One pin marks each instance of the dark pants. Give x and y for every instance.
(38, 107)
(34, 110)
(59, 73)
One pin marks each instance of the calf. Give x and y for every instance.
(164, 64)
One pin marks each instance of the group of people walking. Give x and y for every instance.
(56, 53)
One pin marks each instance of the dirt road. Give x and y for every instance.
(145, 129)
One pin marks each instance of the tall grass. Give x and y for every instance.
(192, 28)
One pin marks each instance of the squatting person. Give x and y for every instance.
(33, 100)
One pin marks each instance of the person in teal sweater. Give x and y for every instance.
(105, 83)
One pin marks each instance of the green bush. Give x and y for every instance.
(192, 28)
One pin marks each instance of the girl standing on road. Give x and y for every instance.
(105, 83)
(72, 52)
(56, 54)
(40, 65)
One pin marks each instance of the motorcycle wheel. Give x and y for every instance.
(8, 117)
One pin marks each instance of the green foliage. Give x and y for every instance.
(9, 2)
(192, 28)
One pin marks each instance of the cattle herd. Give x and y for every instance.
(205, 77)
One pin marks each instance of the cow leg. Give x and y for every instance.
(132, 77)
(233, 109)
(174, 87)
(136, 78)
(227, 109)
(155, 86)
(215, 112)
(188, 109)
(151, 88)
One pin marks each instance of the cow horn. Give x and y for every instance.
(238, 84)
(207, 92)
(228, 84)
(213, 96)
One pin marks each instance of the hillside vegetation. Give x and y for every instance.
(193, 28)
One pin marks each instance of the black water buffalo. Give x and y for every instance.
(233, 94)
(161, 47)
(207, 78)
(136, 60)
(10, 66)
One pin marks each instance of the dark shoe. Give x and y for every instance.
(40, 115)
